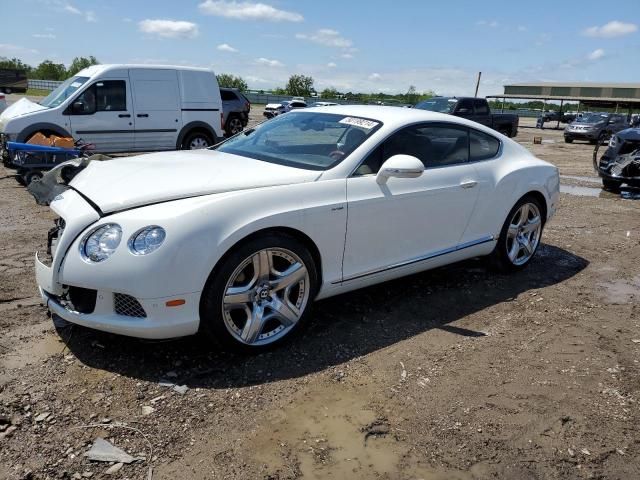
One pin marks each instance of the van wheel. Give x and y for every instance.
(196, 141)
(233, 125)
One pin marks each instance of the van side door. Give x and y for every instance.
(102, 114)
(156, 103)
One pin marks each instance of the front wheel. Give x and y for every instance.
(196, 141)
(260, 294)
(611, 185)
(520, 235)
(233, 125)
(568, 140)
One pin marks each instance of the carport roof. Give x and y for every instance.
(622, 94)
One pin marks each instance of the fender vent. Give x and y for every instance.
(128, 306)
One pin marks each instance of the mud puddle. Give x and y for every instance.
(620, 292)
(583, 191)
(579, 178)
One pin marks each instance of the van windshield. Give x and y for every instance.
(64, 91)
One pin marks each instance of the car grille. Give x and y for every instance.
(80, 299)
(128, 306)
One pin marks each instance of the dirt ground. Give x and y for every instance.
(457, 373)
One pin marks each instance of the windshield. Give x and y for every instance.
(64, 91)
(440, 104)
(592, 118)
(313, 141)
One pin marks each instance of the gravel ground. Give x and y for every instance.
(456, 373)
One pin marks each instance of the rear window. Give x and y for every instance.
(228, 95)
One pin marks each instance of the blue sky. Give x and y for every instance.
(351, 45)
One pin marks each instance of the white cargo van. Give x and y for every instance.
(123, 108)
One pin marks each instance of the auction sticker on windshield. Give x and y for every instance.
(360, 122)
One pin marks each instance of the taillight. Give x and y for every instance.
(247, 105)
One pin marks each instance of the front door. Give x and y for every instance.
(103, 115)
(158, 116)
(410, 218)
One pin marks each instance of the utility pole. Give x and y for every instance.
(478, 84)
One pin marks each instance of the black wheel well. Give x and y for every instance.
(201, 130)
(194, 127)
(541, 199)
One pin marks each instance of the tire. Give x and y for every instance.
(233, 125)
(602, 138)
(568, 140)
(7, 91)
(257, 296)
(32, 176)
(611, 185)
(505, 131)
(197, 140)
(511, 244)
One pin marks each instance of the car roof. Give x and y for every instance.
(384, 113)
(102, 68)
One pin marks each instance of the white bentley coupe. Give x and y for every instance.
(237, 240)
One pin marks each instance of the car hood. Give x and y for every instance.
(128, 182)
(273, 106)
(17, 109)
(630, 134)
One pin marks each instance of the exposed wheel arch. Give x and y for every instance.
(45, 128)
(194, 127)
(541, 198)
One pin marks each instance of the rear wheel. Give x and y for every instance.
(520, 235)
(260, 294)
(568, 140)
(233, 125)
(197, 140)
(505, 131)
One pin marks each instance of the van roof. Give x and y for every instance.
(99, 69)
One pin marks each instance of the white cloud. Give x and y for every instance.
(7, 49)
(488, 23)
(71, 9)
(611, 29)
(225, 47)
(248, 11)
(168, 28)
(89, 16)
(326, 37)
(49, 36)
(331, 65)
(597, 54)
(268, 62)
(347, 56)
(375, 76)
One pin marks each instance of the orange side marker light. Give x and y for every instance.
(175, 303)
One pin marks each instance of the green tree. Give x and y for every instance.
(48, 70)
(14, 64)
(299, 86)
(329, 93)
(80, 63)
(231, 81)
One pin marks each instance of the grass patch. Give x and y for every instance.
(36, 92)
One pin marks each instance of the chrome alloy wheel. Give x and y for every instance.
(198, 143)
(523, 234)
(265, 296)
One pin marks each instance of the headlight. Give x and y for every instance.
(147, 240)
(613, 141)
(99, 244)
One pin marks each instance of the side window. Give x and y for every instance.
(482, 107)
(111, 96)
(465, 106)
(482, 146)
(434, 145)
(104, 96)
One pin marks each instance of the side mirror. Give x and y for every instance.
(463, 110)
(400, 166)
(77, 108)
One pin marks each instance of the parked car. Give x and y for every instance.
(620, 162)
(595, 127)
(554, 116)
(476, 109)
(13, 80)
(123, 108)
(275, 109)
(3, 102)
(235, 108)
(237, 241)
(323, 104)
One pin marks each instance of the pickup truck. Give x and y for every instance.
(476, 109)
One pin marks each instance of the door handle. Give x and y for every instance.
(124, 115)
(468, 184)
(142, 115)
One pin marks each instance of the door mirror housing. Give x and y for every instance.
(77, 108)
(400, 166)
(463, 110)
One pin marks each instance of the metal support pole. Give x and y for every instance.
(560, 115)
(478, 84)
